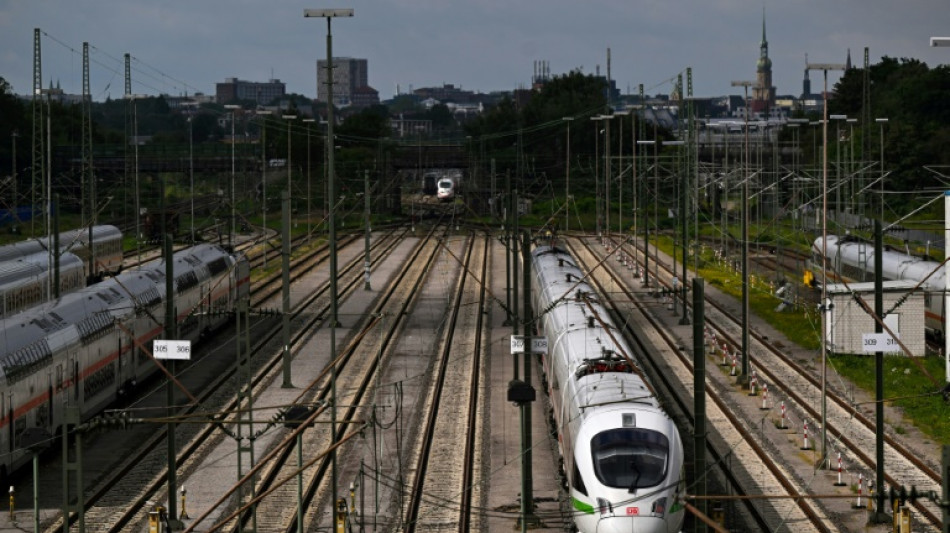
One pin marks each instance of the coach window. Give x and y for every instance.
(19, 426)
(630, 458)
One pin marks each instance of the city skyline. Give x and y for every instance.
(484, 46)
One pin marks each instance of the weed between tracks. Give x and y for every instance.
(911, 391)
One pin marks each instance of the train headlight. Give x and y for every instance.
(659, 507)
(604, 506)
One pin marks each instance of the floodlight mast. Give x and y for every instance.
(823, 306)
(330, 14)
(327, 13)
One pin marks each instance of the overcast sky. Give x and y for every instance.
(183, 46)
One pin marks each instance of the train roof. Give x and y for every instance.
(67, 239)
(28, 337)
(902, 285)
(586, 333)
(896, 265)
(34, 265)
(11, 252)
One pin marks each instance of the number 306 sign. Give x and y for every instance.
(164, 349)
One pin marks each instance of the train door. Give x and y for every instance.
(863, 271)
(203, 297)
(75, 379)
(44, 411)
(56, 403)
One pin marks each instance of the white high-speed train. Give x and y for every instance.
(447, 188)
(852, 259)
(85, 348)
(623, 456)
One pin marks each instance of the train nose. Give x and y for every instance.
(623, 524)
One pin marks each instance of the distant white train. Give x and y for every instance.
(446, 188)
(852, 259)
(623, 456)
(26, 281)
(103, 258)
(84, 349)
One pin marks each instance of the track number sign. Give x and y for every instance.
(165, 349)
(879, 342)
(538, 344)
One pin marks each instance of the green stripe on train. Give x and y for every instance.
(581, 506)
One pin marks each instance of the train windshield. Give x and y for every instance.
(630, 458)
(445, 184)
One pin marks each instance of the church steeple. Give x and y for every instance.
(763, 94)
(764, 62)
(806, 83)
(847, 64)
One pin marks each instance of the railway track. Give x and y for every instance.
(443, 488)
(851, 431)
(357, 365)
(132, 480)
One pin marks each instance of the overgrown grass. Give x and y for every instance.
(905, 384)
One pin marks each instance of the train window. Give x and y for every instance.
(40, 415)
(630, 458)
(577, 481)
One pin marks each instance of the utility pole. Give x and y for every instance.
(16, 195)
(289, 119)
(366, 206)
(127, 94)
(685, 189)
(285, 276)
(528, 518)
(86, 129)
(567, 179)
(89, 169)
(232, 229)
(699, 394)
(746, 176)
(308, 121)
(263, 114)
(245, 411)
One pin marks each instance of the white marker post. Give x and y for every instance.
(538, 344)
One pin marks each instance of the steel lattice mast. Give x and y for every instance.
(38, 159)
